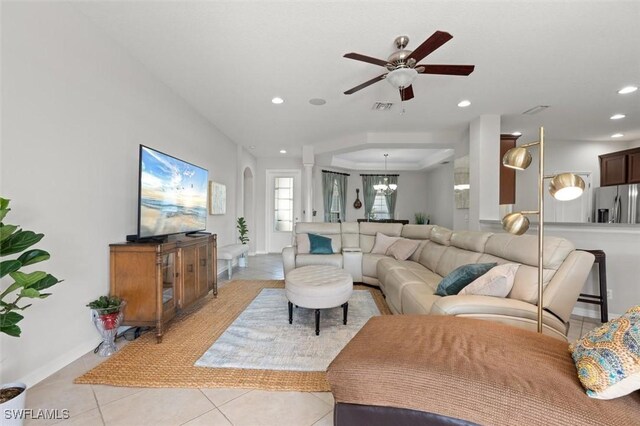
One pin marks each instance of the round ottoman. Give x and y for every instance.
(318, 287)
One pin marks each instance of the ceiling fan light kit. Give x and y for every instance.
(403, 67)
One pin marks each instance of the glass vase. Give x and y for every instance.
(107, 325)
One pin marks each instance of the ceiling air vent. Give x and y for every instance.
(382, 106)
(535, 109)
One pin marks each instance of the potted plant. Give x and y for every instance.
(241, 225)
(14, 242)
(421, 218)
(107, 314)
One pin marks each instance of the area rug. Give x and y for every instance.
(143, 363)
(262, 338)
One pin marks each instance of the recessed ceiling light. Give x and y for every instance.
(252, 147)
(617, 135)
(628, 89)
(277, 100)
(516, 134)
(464, 104)
(617, 116)
(317, 101)
(283, 151)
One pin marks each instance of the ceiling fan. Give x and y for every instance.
(403, 64)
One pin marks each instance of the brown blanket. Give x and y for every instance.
(478, 371)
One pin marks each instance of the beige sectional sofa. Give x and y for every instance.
(409, 285)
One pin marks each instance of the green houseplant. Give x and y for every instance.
(243, 231)
(14, 243)
(422, 218)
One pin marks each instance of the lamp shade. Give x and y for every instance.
(517, 158)
(515, 223)
(566, 186)
(401, 77)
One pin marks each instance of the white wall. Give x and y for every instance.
(484, 155)
(262, 165)
(75, 107)
(439, 195)
(412, 195)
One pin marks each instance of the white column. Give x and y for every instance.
(484, 170)
(308, 160)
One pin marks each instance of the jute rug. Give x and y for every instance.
(262, 338)
(143, 363)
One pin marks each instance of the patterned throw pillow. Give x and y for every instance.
(460, 277)
(608, 358)
(382, 243)
(403, 248)
(320, 244)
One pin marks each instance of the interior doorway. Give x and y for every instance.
(248, 207)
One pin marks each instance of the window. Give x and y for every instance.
(380, 210)
(283, 205)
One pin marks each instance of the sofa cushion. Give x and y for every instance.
(608, 358)
(402, 248)
(417, 232)
(397, 280)
(383, 243)
(350, 235)
(369, 264)
(416, 254)
(418, 299)
(470, 240)
(303, 244)
(454, 257)
(319, 259)
(320, 244)
(441, 235)
(431, 254)
(462, 276)
(524, 249)
(498, 282)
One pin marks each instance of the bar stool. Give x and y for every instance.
(602, 278)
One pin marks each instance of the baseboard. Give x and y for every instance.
(261, 252)
(59, 363)
(592, 313)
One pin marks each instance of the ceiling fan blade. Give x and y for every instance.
(364, 58)
(436, 40)
(365, 84)
(406, 93)
(446, 69)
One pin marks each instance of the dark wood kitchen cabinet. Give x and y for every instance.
(620, 168)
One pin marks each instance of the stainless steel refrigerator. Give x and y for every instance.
(617, 204)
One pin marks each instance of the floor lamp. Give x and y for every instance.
(563, 187)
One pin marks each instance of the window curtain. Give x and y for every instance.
(391, 198)
(341, 180)
(368, 193)
(327, 193)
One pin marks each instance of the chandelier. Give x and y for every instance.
(385, 187)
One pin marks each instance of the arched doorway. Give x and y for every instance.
(248, 207)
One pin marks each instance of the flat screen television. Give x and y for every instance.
(172, 195)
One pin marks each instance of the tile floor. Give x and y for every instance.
(108, 405)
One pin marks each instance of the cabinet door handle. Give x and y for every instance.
(190, 268)
(203, 262)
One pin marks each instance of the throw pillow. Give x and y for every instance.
(498, 282)
(608, 358)
(462, 276)
(302, 242)
(320, 244)
(402, 249)
(382, 243)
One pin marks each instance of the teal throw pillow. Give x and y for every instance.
(320, 244)
(461, 277)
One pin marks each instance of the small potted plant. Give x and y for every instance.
(107, 314)
(241, 225)
(422, 218)
(14, 242)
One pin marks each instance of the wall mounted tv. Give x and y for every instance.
(172, 195)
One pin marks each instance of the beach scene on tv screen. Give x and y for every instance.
(173, 195)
